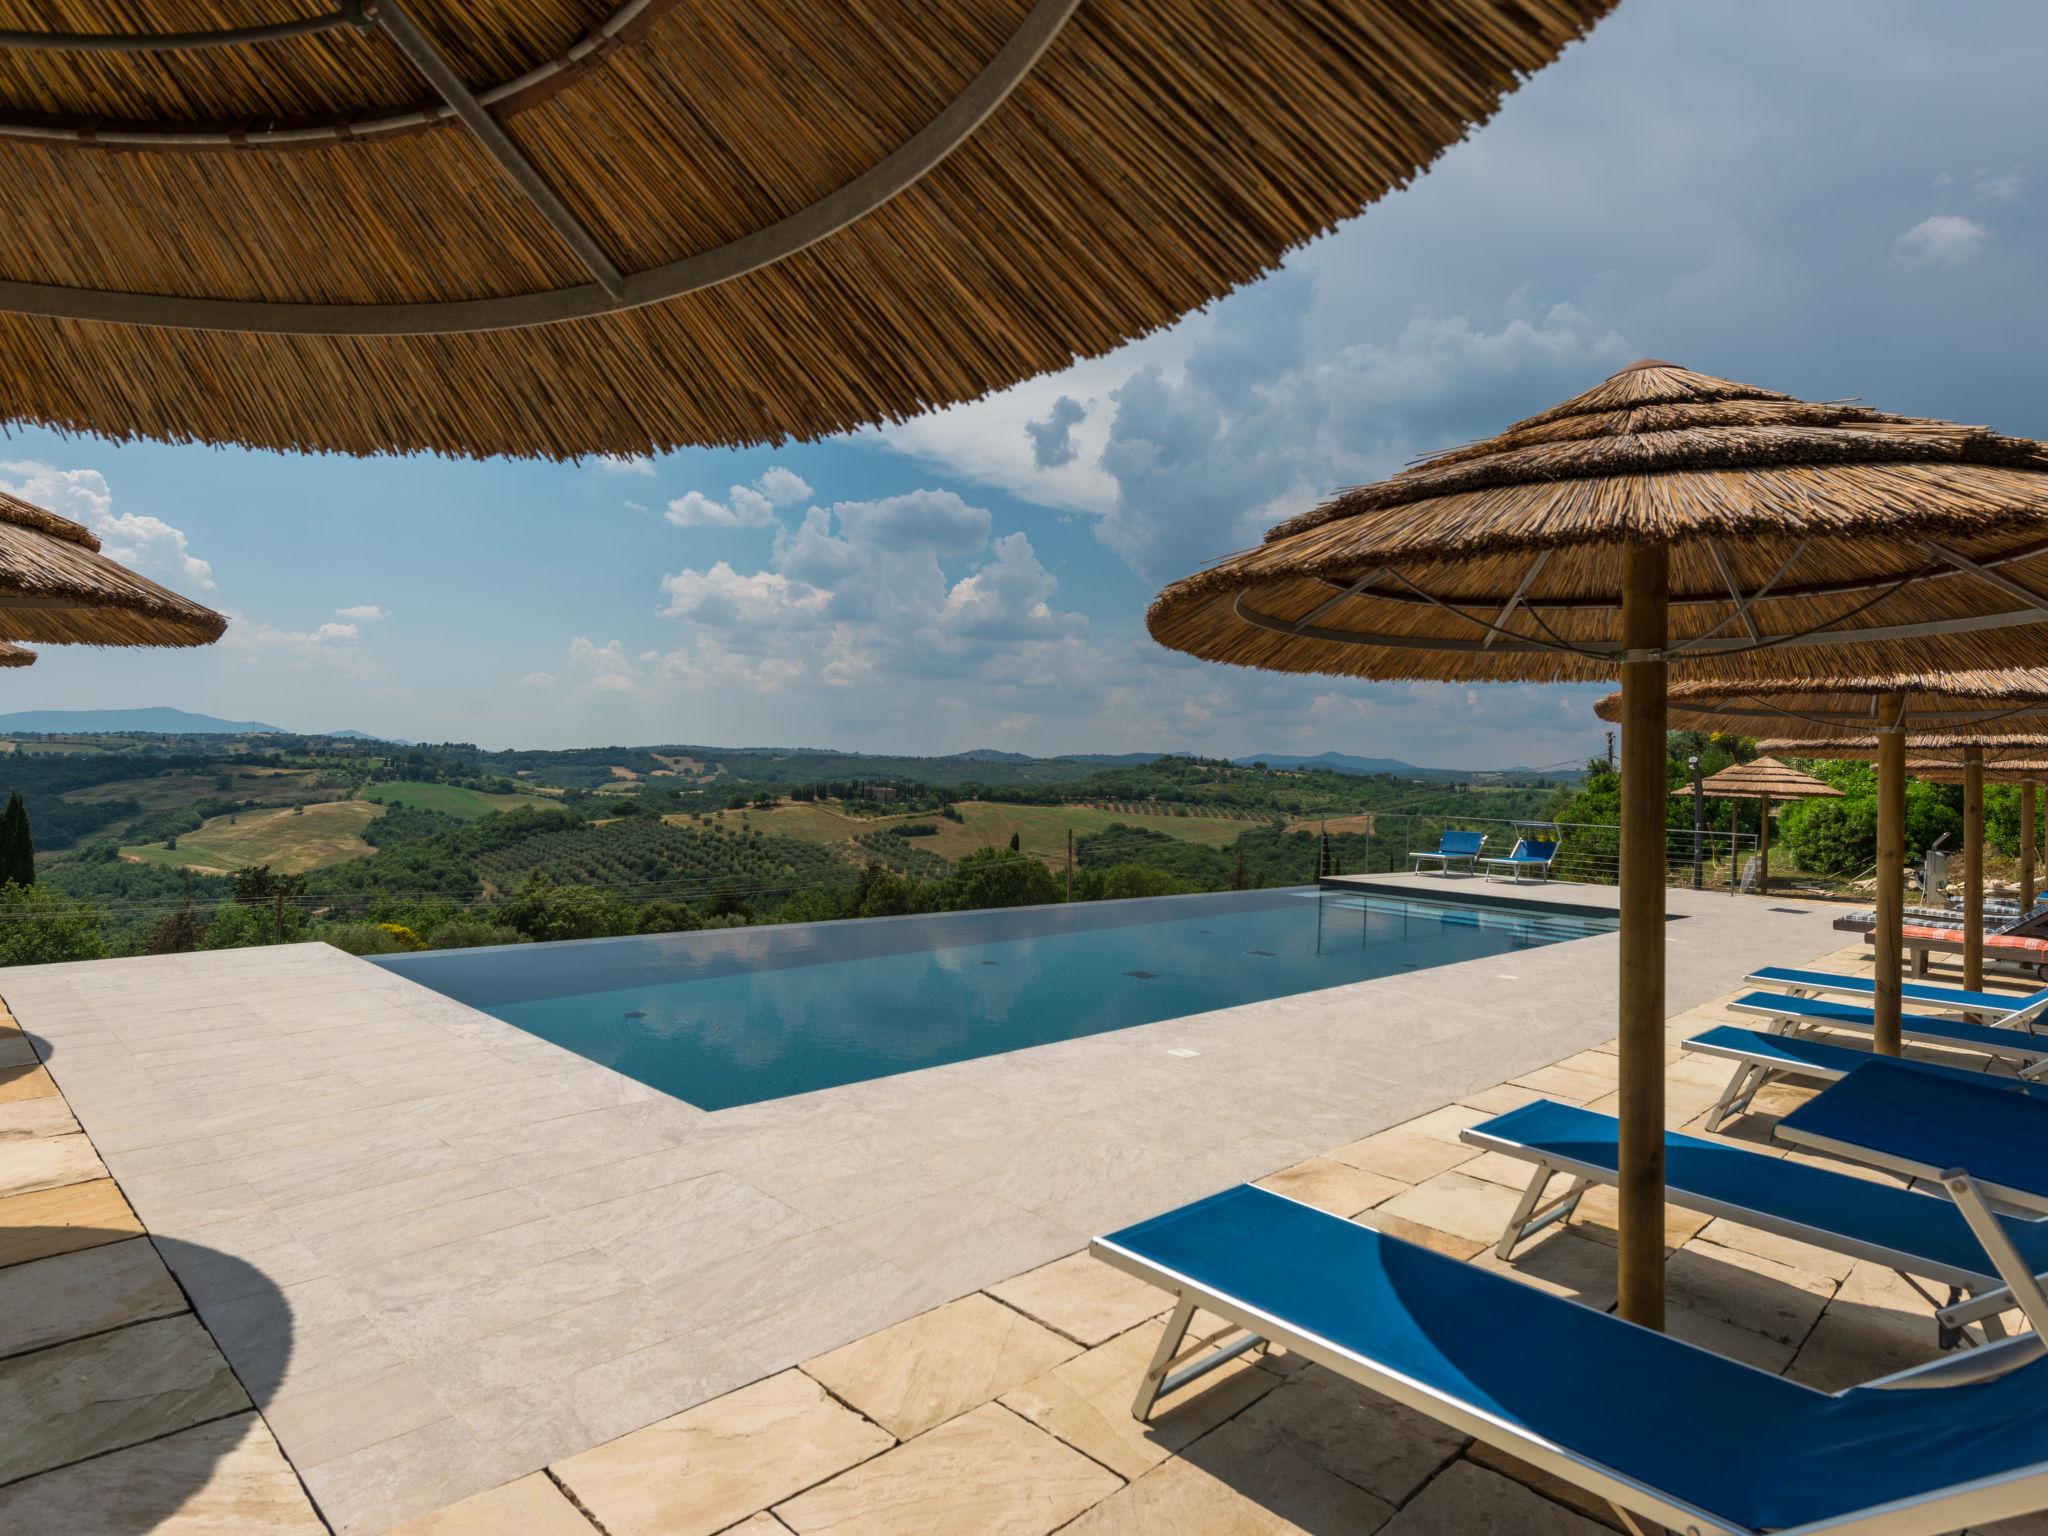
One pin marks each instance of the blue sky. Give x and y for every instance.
(1833, 199)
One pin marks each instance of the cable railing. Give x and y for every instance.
(1587, 852)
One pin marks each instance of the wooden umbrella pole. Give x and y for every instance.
(2028, 789)
(1645, 602)
(1891, 879)
(1973, 868)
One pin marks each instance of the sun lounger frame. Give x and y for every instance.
(1445, 856)
(1633, 1502)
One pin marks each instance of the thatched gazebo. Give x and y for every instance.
(1764, 779)
(1665, 517)
(562, 227)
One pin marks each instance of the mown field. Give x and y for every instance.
(449, 799)
(290, 843)
(1039, 829)
(168, 791)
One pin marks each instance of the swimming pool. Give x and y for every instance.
(733, 1016)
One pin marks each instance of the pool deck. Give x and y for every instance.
(445, 1258)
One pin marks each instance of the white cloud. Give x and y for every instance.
(538, 680)
(1947, 240)
(745, 506)
(362, 613)
(143, 543)
(1998, 186)
(331, 647)
(783, 486)
(722, 596)
(613, 464)
(606, 668)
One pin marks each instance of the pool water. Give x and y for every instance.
(738, 1015)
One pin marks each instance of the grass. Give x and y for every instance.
(323, 834)
(168, 791)
(450, 799)
(1040, 829)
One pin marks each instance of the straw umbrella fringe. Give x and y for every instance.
(1762, 779)
(725, 222)
(15, 656)
(1663, 517)
(55, 585)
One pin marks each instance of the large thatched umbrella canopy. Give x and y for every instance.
(573, 226)
(56, 585)
(1663, 517)
(1767, 780)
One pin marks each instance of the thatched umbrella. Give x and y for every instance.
(1764, 779)
(1662, 517)
(15, 656)
(56, 585)
(562, 227)
(1928, 708)
(1955, 754)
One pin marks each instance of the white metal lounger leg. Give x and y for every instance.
(2019, 1278)
(1736, 1095)
(1532, 1215)
(1161, 1380)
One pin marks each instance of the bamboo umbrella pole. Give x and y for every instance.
(2028, 789)
(1973, 868)
(1891, 877)
(1645, 605)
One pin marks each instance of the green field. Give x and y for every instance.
(1039, 829)
(448, 799)
(168, 791)
(289, 843)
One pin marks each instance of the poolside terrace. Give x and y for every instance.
(288, 1243)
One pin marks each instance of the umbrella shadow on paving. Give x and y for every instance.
(118, 1410)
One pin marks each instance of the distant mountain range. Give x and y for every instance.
(1344, 762)
(158, 720)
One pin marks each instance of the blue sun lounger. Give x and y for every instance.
(1982, 1141)
(1919, 1237)
(1452, 845)
(1759, 1058)
(2026, 1050)
(2013, 1009)
(1531, 855)
(1661, 1429)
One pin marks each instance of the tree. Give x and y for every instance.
(988, 877)
(546, 912)
(17, 847)
(40, 927)
(1016, 846)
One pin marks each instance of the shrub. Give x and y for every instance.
(546, 912)
(471, 933)
(363, 938)
(665, 917)
(816, 904)
(175, 933)
(240, 927)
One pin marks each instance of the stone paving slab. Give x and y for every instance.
(227, 1478)
(93, 1395)
(93, 1290)
(52, 1221)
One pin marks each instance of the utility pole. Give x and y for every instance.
(1698, 816)
(1610, 749)
(1070, 864)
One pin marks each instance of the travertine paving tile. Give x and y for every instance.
(49, 1221)
(1368, 1440)
(30, 1163)
(1720, 1332)
(1474, 1209)
(1500, 1098)
(80, 1399)
(703, 1470)
(928, 1369)
(1564, 1264)
(401, 1478)
(1081, 1297)
(15, 1051)
(1405, 1155)
(1467, 1499)
(1444, 1124)
(1756, 1293)
(1851, 1345)
(88, 1291)
(987, 1472)
(1563, 1083)
(533, 1506)
(1087, 1403)
(226, 1478)
(1338, 1188)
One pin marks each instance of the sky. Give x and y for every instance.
(1835, 199)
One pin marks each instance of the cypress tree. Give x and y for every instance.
(17, 846)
